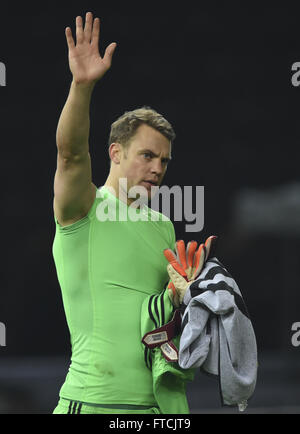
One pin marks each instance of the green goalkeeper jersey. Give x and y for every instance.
(106, 268)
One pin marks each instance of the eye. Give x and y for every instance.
(147, 155)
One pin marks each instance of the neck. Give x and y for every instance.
(118, 192)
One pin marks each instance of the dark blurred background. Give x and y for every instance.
(223, 77)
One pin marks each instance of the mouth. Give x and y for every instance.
(148, 183)
(154, 183)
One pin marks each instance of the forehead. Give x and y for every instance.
(147, 137)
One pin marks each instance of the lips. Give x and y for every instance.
(154, 183)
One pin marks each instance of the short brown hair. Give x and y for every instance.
(124, 128)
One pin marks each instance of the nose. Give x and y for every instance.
(157, 167)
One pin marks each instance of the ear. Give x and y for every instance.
(115, 151)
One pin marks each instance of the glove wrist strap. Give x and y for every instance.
(163, 336)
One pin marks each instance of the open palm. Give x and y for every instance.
(85, 61)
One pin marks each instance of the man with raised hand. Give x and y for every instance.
(108, 268)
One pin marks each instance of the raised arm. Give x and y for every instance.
(74, 191)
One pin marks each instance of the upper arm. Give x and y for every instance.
(74, 192)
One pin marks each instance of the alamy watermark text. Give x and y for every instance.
(177, 202)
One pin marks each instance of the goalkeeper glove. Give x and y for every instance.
(185, 266)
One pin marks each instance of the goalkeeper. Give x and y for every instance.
(107, 269)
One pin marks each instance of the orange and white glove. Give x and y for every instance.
(185, 266)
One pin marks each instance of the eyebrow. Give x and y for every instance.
(154, 155)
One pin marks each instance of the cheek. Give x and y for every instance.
(134, 170)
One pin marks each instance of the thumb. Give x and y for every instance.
(178, 281)
(109, 53)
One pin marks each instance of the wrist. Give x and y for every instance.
(83, 86)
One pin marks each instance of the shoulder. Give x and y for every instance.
(158, 216)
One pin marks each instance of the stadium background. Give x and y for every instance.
(222, 77)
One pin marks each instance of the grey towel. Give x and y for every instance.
(217, 334)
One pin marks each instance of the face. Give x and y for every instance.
(144, 162)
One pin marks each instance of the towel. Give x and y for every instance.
(217, 334)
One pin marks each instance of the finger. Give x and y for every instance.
(170, 256)
(88, 26)
(210, 245)
(96, 33)
(190, 251)
(199, 260)
(172, 293)
(109, 53)
(179, 269)
(79, 30)
(181, 256)
(178, 282)
(172, 259)
(69, 37)
(172, 287)
(173, 297)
